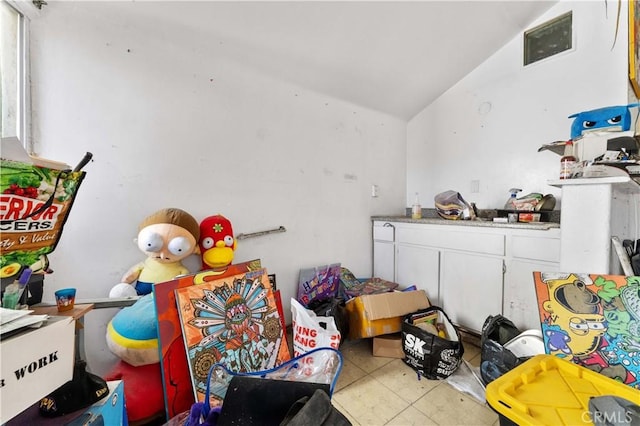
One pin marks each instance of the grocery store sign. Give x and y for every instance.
(34, 206)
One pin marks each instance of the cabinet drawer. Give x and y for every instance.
(447, 238)
(383, 233)
(536, 248)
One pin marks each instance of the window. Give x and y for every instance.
(12, 72)
(548, 39)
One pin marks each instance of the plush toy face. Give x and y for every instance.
(574, 307)
(166, 243)
(217, 243)
(615, 118)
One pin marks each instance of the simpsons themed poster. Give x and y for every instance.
(234, 321)
(592, 320)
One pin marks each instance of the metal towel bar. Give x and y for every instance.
(258, 234)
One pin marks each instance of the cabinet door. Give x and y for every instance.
(419, 266)
(471, 288)
(520, 302)
(384, 260)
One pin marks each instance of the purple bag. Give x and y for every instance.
(196, 415)
(318, 283)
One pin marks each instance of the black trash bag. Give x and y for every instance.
(611, 410)
(495, 359)
(83, 390)
(314, 411)
(333, 307)
(255, 401)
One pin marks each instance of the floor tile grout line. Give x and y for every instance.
(415, 408)
(352, 383)
(410, 404)
(370, 374)
(350, 415)
(359, 352)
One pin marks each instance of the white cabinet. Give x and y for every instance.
(462, 266)
(470, 271)
(471, 287)
(383, 260)
(529, 251)
(520, 303)
(384, 251)
(419, 266)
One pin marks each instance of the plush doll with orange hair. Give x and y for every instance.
(167, 237)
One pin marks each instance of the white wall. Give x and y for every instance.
(489, 126)
(174, 121)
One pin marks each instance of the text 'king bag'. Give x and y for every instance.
(431, 344)
(311, 331)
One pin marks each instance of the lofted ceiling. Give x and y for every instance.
(391, 56)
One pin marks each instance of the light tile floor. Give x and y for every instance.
(385, 391)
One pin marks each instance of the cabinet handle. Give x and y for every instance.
(504, 268)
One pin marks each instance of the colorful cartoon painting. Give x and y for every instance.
(178, 392)
(592, 320)
(318, 283)
(232, 320)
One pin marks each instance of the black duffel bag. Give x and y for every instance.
(432, 356)
(333, 307)
(495, 359)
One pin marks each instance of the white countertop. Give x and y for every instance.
(477, 222)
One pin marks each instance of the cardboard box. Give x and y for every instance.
(34, 364)
(376, 314)
(388, 346)
(110, 410)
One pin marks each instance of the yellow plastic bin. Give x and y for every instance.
(547, 390)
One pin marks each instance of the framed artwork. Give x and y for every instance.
(176, 381)
(634, 46)
(234, 321)
(592, 320)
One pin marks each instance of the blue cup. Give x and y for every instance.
(65, 299)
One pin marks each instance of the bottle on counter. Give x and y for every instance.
(567, 162)
(510, 204)
(416, 210)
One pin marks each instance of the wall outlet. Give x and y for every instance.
(374, 191)
(475, 186)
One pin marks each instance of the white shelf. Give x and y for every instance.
(589, 181)
(593, 210)
(622, 183)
